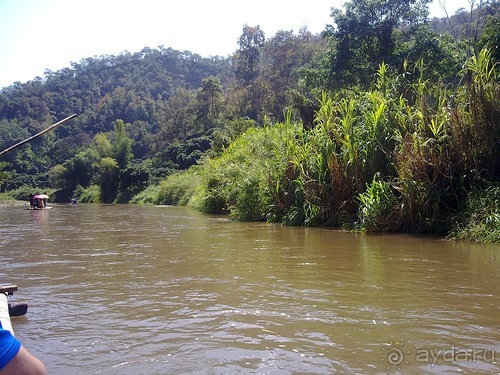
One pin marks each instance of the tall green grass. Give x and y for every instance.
(405, 156)
(481, 219)
(176, 189)
(245, 180)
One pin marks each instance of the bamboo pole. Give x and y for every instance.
(36, 135)
(4, 313)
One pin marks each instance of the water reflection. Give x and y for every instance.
(166, 290)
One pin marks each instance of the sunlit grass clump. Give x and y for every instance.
(481, 220)
(244, 180)
(405, 156)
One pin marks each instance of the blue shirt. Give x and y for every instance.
(9, 346)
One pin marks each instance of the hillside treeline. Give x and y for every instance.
(174, 106)
(386, 121)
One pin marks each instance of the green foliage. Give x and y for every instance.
(183, 155)
(394, 134)
(378, 205)
(323, 159)
(136, 88)
(283, 59)
(442, 54)
(367, 34)
(122, 148)
(177, 188)
(477, 120)
(221, 137)
(209, 102)
(481, 219)
(78, 170)
(351, 141)
(241, 181)
(92, 194)
(146, 196)
(251, 42)
(6, 198)
(23, 193)
(102, 145)
(3, 174)
(393, 158)
(109, 180)
(491, 37)
(11, 132)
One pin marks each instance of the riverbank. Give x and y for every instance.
(7, 201)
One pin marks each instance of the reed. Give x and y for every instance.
(476, 119)
(377, 207)
(401, 157)
(481, 218)
(246, 180)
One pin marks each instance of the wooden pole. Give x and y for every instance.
(36, 135)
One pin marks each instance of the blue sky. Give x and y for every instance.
(36, 35)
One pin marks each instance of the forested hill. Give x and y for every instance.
(170, 103)
(134, 87)
(151, 74)
(144, 115)
(144, 89)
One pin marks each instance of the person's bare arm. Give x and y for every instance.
(24, 363)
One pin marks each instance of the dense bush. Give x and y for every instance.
(384, 141)
(243, 180)
(481, 219)
(397, 158)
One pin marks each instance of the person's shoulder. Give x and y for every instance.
(24, 363)
(9, 347)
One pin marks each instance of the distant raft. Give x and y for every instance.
(38, 202)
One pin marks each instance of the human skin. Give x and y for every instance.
(24, 363)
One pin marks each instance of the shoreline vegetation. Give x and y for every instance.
(377, 161)
(400, 158)
(373, 162)
(385, 122)
(11, 203)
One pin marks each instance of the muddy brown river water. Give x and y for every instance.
(124, 289)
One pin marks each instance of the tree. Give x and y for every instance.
(3, 174)
(123, 146)
(176, 118)
(109, 179)
(368, 33)
(283, 57)
(247, 56)
(180, 113)
(77, 171)
(102, 145)
(442, 55)
(491, 37)
(209, 102)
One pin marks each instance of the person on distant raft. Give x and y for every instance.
(31, 199)
(15, 359)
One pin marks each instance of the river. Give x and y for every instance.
(126, 289)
